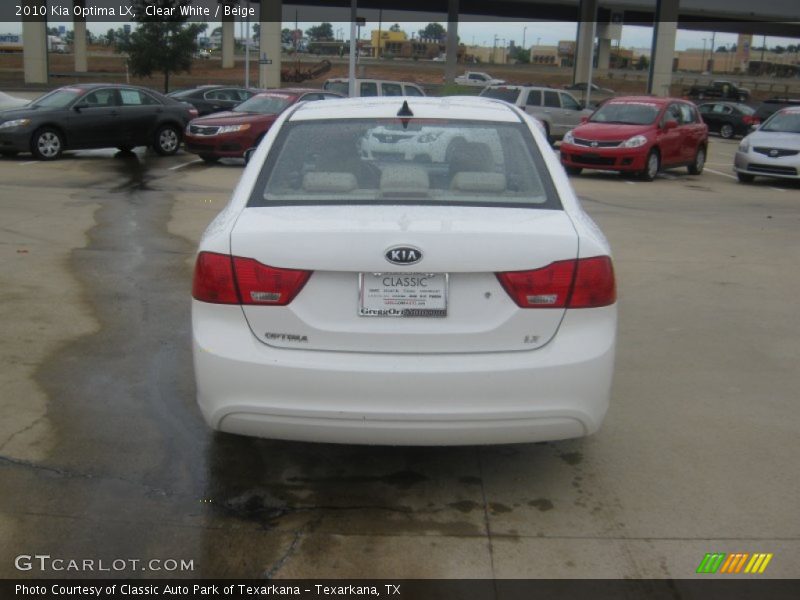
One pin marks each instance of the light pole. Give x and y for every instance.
(524, 31)
(703, 57)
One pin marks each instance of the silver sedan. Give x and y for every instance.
(773, 150)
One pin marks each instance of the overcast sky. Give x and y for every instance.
(483, 33)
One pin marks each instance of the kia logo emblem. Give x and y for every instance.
(403, 255)
(595, 144)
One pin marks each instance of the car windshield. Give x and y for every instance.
(628, 113)
(266, 104)
(507, 94)
(410, 161)
(788, 122)
(58, 98)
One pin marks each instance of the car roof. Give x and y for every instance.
(521, 86)
(345, 80)
(386, 107)
(658, 100)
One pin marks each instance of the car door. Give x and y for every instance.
(94, 120)
(551, 107)
(692, 131)
(711, 115)
(571, 112)
(670, 139)
(138, 115)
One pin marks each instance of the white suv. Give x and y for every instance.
(558, 111)
(372, 87)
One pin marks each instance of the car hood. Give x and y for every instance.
(776, 139)
(609, 131)
(7, 114)
(234, 118)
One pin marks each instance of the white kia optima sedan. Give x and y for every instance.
(465, 299)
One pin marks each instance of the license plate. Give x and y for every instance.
(402, 294)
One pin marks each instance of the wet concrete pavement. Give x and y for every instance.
(698, 453)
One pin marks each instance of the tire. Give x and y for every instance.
(727, 131)
(209, 159)
(573, 170)
(699, 162)
(167, 140)
(745, 177)
(47, 143)
(652, 166)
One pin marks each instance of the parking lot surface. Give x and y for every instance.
(104, 455)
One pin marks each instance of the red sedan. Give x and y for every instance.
(638, 134)
(230, 134)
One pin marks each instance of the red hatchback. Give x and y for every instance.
(230, 134)
(638, 134)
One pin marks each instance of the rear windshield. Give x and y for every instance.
(367, 161)
(266, 104)
(340, 87)
(58, 98)
(627, 113)
(181, 93)
(788, 122)
(501, 94)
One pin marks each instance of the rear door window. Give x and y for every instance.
(568, 102)
(412, 90)
(551, 100)
(368, 88)
(534, 98)
(392, 89)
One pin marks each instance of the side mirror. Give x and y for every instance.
(671, 124)
(248, 154)
(78, 107)
(584, 119)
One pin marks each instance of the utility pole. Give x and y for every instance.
(352, 70)
(713, 48)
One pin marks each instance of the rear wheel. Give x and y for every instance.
(168, 140)
(651, 166)
(47, 144)
(209, 159)
(699, 162)
(745, 177)
(726, 131)
(573, 170)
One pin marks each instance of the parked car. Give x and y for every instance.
(94, 115)
(722, 90)
(772, 105)
(230, 134)
(638, 134)
(208, 99)
(478, 78)
(339, 298)
(728, 118)
(596, 97)
(7, 101)
(773, 150)
(372, 87)
(557, 111)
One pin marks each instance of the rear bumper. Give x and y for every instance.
(610, 159)
(556, 392)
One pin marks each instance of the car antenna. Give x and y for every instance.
(405, 113)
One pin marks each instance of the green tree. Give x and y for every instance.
(256, 31)
(433, 31)
(161, 44)
(520, 54)
(395, 27)
(643, 63)
(323, 31)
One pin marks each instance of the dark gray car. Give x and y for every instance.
(94, 116)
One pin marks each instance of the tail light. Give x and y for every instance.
(224, 279)
(579, 283)
(750, 120)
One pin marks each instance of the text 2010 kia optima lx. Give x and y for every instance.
(465, 298)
